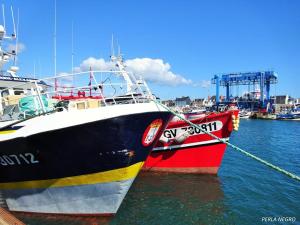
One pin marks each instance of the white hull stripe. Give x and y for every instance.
(189, 145)
(70, 118)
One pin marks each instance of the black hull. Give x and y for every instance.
(82, 149)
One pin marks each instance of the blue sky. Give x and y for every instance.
(192, 39)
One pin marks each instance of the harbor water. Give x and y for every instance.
(244, 192)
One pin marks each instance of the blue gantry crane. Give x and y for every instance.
(263, 79)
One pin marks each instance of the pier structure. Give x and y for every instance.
(6, 218)
(263, 79)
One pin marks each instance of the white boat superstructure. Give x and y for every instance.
(12, 86)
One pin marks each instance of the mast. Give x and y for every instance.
(90, 83)
(55, 80)
(17, 40)
(34, 69)
(3, 16)
(72, 57)
(72, 45)
(5, 56)
(119, 63)
(13, 20)
(112, 48)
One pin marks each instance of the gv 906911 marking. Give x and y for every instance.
(209, 127)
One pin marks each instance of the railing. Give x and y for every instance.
(108, 87)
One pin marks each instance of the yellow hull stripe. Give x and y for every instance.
(7, 131)
(126, 173)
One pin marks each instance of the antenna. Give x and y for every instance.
(3, 14)
(34, 69)
(13, 20)
(119, 50)
(112, 46)
(55, 80)
(39, 68)
(73, 77)
(17, 40)
(72, 47)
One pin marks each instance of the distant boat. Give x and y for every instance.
(243, 114)
(290, 115)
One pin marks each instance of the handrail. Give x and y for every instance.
(80, 73)
(116, 96)
(33, 80)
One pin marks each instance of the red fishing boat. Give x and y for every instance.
(183, 148)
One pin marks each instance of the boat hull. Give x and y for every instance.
(289, 116)
(198, 153)
(90, 199)
(82, 169)
(203, 159)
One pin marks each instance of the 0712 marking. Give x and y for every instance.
(20, 159)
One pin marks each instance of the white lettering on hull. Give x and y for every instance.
(11, 160)
(178, 132)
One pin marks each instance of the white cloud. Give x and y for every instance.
(205, 83)
(153, 70)
(202, 84)
(20, 47)
(76, 69)
(95, 64)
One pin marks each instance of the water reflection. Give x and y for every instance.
(157, 198)
(161, 198)
(39, 219)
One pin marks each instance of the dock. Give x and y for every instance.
(7, 218)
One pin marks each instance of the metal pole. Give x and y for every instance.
(227, 92)
(268, 90)
(217, 89)
(98, 88)
(39, 97)
(262, 89)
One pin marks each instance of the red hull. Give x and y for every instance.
(198, 152)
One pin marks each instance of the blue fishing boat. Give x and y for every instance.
(293, 114)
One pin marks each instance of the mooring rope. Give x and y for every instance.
(277, 168)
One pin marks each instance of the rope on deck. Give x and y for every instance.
(277, 168)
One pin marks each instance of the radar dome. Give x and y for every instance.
(14, 68)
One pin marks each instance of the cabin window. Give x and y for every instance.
(4, 93)
(18, 92)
